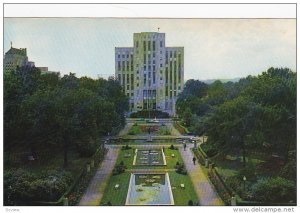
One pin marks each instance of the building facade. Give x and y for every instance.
(15, 58)
(151, 74)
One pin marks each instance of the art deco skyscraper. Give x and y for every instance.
(152, 75)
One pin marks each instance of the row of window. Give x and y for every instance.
(125, 55)
(150, 44)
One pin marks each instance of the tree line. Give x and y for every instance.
(257, 114)
(47, 110)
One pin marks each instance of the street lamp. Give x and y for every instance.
(244, 179)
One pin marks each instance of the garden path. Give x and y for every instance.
(205, 191)
(95, 190)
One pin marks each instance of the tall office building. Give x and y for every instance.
(15, 58)
(152, 75)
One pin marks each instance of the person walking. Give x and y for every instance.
(194, 160)
(184, 146)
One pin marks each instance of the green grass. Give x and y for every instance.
(117, 197)
(135, 130)
(138, 129)
(171, 161)
(182, 196)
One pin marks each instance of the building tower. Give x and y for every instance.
(15, 58)
(152, 75)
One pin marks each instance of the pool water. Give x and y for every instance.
(149, 189)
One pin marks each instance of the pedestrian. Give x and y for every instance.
(194, 160)
(184, 146)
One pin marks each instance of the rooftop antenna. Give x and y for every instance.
(158, 29)
(10, 44)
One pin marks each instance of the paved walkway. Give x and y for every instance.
(95, 190)
(205, 191)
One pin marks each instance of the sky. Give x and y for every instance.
(214, 48)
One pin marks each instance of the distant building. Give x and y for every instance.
(15, 58)
(152, 75)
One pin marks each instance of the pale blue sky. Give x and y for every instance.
(214, 48)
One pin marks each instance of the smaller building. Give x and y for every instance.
(15, 58)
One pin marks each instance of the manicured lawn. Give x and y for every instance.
(157, 129)
(135, 130)
(128, 161)
(182, 196)
(117, 197)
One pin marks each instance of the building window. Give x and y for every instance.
(149, 67)
(127, 87)
(160, 65)
(137, 44)
(153, 46)
(123, 65)
(153, 61)
(170, 54)
(119, 65)
(149, 45)
(153, 67)
(149, 74)
(123, 56)
(127, 79)
(154, 77)
(167, 75)
(144, 45)
(145, 68)
(174, 54)
(161, 44)
(153, 54)
(119, 56)
(119, 77)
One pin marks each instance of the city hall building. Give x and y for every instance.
(151, 74)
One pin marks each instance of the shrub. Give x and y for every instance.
(289, 171)
(234, 183)
(173, 147)
(180, 169)
(131, 132)
(126, 147)
(209, 149)
(190, 203)
(20, 185)
(119, 168)
(274, 190)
